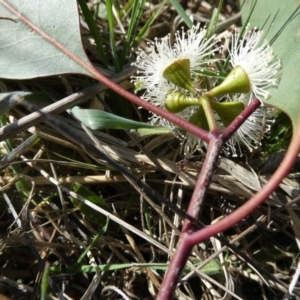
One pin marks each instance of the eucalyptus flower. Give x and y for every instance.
(166, 68)
(174, 67)
(255, 67)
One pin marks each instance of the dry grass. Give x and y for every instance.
(52, 228)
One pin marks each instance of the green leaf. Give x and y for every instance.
(94, 30)
(99, 119)
(213, 267)
(212, 26)
(33, 35)
(92, 244)
(136, 14)
(110, 19)
(44, 284)
(280, 22)
(89, 213)
(144, 31)
(181, 12)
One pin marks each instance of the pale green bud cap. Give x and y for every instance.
(227, 111)
(237, 81)
(198, 118)
(179, 73)
(177, 101)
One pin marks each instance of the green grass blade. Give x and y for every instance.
(211, 268)
(94, 30)
(143, 32)
(44, 284)
(136, 14)
(96, 238)
(110, 18)
(147, 217)
(212, 26)
(80, 163)
(89, 213)
(182, 13)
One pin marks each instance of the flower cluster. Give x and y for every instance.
(171, 77)
(152, 64)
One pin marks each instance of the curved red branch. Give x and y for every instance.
(240, 119)
(185, 244)
(259, 198)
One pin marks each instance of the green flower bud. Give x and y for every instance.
(177, 101)
(227, 111)
(198, 118)
(237, 81)
(179, 73)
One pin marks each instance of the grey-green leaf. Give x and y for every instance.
(24, 53)
(98, 119)
(280, 21)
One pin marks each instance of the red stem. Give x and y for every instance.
(189, 237)
(204, 179)
(240, 119)
(258, 199)
(186, 244)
